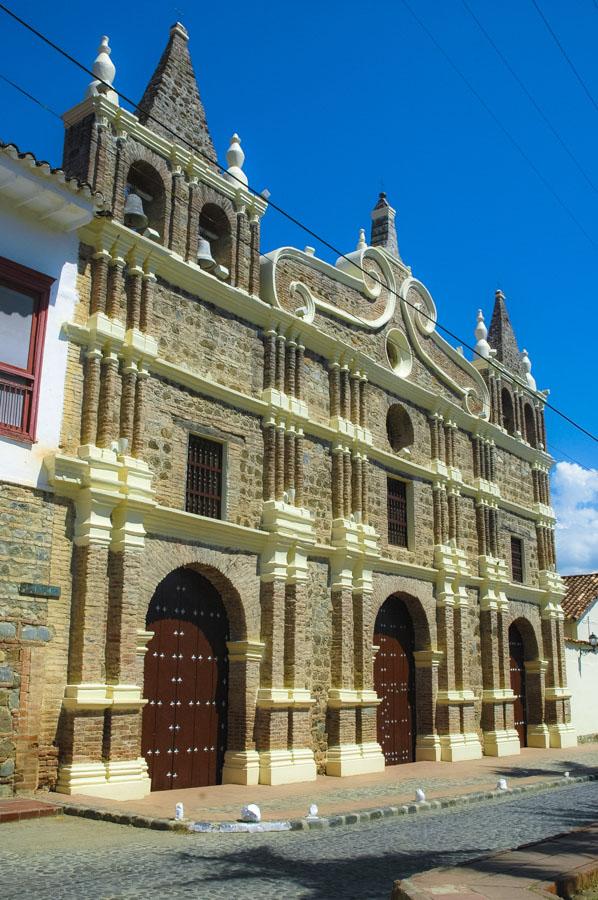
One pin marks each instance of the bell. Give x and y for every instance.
(134, 214)
(204, 254)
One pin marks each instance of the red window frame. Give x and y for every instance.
(37, 286)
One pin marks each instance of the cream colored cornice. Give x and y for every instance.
(162, 520)
(195, 167)
(104, 233)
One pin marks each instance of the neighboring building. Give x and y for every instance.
(294, 529)
(580, 605)
(40, 210)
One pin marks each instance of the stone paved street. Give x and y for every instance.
(72, 858)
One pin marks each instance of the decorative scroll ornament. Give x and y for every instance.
(307, 310)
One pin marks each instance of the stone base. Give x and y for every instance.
(538, 736)
(501, 743)
(563, 735)
(456, 747)
(121, 780)
(427, 748)
(241, 768)
(354, 759)
(287, 766)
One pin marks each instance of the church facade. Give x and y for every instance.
(294, 530)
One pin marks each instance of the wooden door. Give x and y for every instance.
(517, 655)
(185, 684)
(394, 681)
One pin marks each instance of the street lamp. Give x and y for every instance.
(593, 642)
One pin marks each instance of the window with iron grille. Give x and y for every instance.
(24, 296)
(517, 559)
(397, 512)
(204, 477)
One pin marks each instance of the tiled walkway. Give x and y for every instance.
(396, 785)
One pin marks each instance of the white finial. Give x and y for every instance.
(104, 71)
(235, 159)
(361, 243)
(482, 347)
(527, 368)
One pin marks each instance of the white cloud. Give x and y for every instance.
(575, 500)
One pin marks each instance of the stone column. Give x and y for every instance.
(241, 760)
(337, 482)
(289, 372)
(269, 460)
(299, 367)
(241, 275)
(279, 460)
(127, 400)
(365, 503)
(91, 396)
(116, 301)
(345, 393)
(299, 467)
(354, 390)
(335, 390)
(270, 358)
(254, 265)
(535, 676)
(363, 409)
(280, 354)
(427, 663)
(179, 214)
(107, 398)
(99, 281)
(346, 483)
(356, 486)
(289, 461)
(147, 302)
(134, 284)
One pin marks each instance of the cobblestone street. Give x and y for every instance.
(69, 857)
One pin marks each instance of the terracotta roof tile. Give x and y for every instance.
(582, 591)
(79, 187)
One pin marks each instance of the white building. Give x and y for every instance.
(581, 651)
(40, 210)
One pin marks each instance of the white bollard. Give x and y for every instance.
(251, 813)
(419, 796)
(502, 784)
(179, 812)
(312, 812)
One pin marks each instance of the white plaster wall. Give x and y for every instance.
(53, 253)
(582, 681)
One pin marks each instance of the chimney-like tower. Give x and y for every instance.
(501, 337)
(384, 232)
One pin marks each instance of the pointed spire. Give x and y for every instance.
(172, 97)
(361, 243)
(235, 159)
(502, 337)
(384, 232)
(482, 348)
(527, 368)
(104, 71)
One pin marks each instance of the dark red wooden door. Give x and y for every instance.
(185, 683)
(394, 681)
(517, 654)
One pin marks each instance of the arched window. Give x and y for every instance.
(399, 427)
(508, 413)
(145, 198)
(530, 426)
(214, 228)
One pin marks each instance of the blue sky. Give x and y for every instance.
(334, 101)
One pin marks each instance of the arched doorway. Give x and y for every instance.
(394, 682)
(517, 666)
(185, 683)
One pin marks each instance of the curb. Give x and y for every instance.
(335, 821)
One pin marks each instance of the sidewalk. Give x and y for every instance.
(337, 796)
(559, 866)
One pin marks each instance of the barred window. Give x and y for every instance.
(397, 512)
(517, 559)
(204, 477)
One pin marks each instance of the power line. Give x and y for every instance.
(512, 140)
(573, 68)
(290, 217)
(536, 106)
(30, 97)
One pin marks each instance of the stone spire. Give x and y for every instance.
(501, 337)
(384, 232)
(172, 96)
